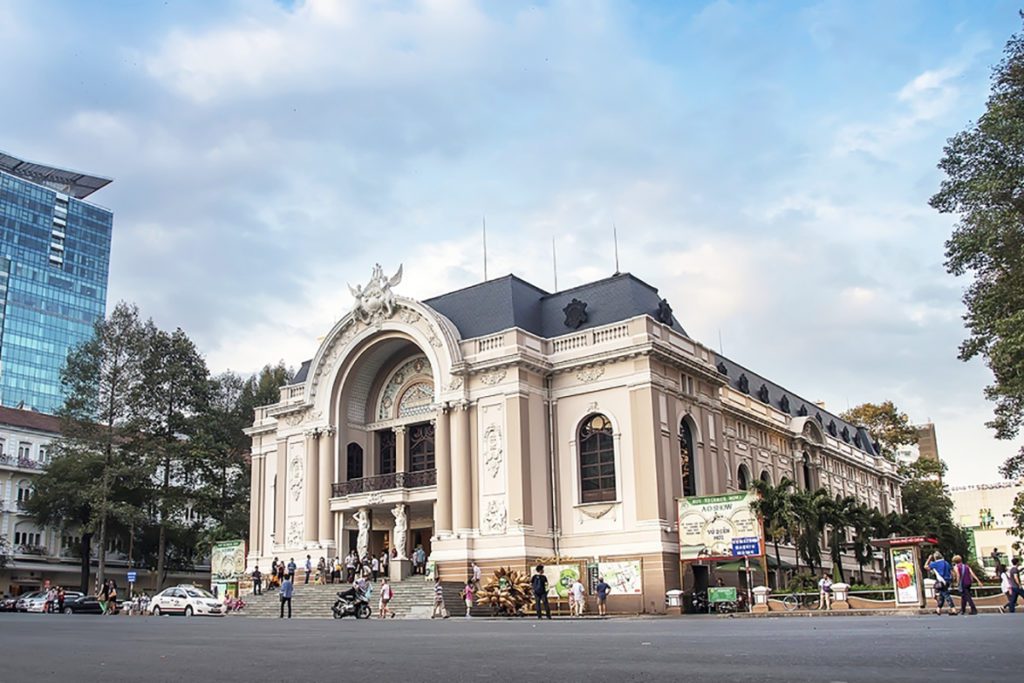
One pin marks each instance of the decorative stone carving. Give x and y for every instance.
(407, 315)
(493, 377)
(433, 340)
(595, 511)
(295, 476)
(495, 520)
(376, 301)
(294, 536)
(722, 369)
(401, 527)
(418, 366)
(575, 314)
(294, 419)
(362, 517)
(664, 312)
(493, 452)
(743, 384)
(455, 384)
(590, 374)
(784, 403)
(762, 393)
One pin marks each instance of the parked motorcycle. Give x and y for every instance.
(351, 603)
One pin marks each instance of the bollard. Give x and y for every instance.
(761, 594)
(840, 596)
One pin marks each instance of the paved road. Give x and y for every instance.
(876, 649)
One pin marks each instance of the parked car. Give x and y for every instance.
(38, 603)
(9, 604)
(23, 600)
(82, 604)
(187, 600)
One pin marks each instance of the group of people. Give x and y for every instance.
(54, 603)
(577, 595)
(960, 575)
(107, 597)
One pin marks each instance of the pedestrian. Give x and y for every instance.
(60, 599)
(384, 561)
(965, 578)
(257, 581)
(539, 583)
(421, 560)
(282, 571)
(375, 568)
(1006, 588)
(439, 608)
(1015, 584)
(286, 596)
(943, 573)
(291, 569)
(602, 589)
(386, 593)
(112, 598)
(577, 597)
(308, 567)
(103, 596)
(477, 575)
(350, 567)
(467, 595)
(321, 571)
(336, 575)
(51, 597)
(825, 591)
(273, 567)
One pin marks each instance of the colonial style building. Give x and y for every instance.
(505, 424)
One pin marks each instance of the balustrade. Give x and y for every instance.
(384, 482)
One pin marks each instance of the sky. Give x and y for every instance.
(767, 166)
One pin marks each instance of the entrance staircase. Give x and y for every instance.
(414, 599)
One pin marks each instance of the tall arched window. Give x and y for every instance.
(421, 447)
(597, 459)
(743, 478)
(807, 472)
(766, 478)
(355, 461)
(387, 453)
(687, 460)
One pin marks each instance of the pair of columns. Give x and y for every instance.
(453, 510)
(319, 469)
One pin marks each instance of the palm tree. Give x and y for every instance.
(775, 507)
(837, 514)
(808, 509)
(884, 526)
(863, 552)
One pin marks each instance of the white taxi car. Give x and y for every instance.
(187, 600)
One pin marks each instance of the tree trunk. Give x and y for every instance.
(161, 561)
(85, 550)
(778, 564)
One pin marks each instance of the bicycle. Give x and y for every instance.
(795, 601)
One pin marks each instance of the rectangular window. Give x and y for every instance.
(24, 450)
(711, 427)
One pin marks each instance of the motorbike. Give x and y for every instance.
(351, 604)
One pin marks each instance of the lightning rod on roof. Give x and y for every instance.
(485, 247)
(615, 238)
(554, 262)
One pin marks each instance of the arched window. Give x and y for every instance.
(355, 461)
(421, 447)
(743, 478)
(387, 453)
(766, 478)
(597, 459)
(687, 461)
(807, 472)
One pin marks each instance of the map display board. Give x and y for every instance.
(624, 577)
(719, 527)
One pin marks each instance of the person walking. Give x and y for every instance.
(384, 561)
(308, 567)
(825, 591)
(578, 593)
(257, 581)
(602, 589)
(1015, 584)
(287, 587)
(386, 593)
(943, 573)
(291, 569)
(60, 599)
(374, 568)
(112, 598)
(439, 608)
(539, 584)
(965, 578)
(1006, 588)
(350, 567)
(467, 595)
(477, 575)
(103, 596)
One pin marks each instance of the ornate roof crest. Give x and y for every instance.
(376, 301)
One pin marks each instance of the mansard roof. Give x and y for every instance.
(506, 302)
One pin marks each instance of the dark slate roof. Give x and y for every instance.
(300, 376)
(766, 391)
(506, 302)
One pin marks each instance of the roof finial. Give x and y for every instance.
(485, 247)
(554, 262)
(615, 238)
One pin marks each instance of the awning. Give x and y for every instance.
(755, 564)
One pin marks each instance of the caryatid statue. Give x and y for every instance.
(362, 518)
(401, 527)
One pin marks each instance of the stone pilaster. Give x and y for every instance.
(310, 525)
(443, 464)
(461, 464)
(326, 467)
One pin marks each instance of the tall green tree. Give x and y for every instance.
(809, 508)
(862, 526)
(837, 514)
(1013, 469)
(890, 427)
(928, 509)
(775, 507)
(165, 407)
(984, 188)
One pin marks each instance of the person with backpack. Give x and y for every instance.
(965, 578)
(943, 573)
(539, 584)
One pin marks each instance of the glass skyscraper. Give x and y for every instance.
(54, 262)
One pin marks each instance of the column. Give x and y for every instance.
(443, 463)
(310, 525)
(280, 485)
(254, 505)
(326, 464)
(401, 450)
(520, 478)
(462, 487)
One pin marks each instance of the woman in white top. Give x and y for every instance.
(1006, 586)
(825, 592)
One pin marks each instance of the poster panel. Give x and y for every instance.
(719, 527)
(227, 561)
(560, 577)
(904, 574)
(624, 577)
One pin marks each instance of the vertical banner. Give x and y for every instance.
(904, 574)
(227, 561)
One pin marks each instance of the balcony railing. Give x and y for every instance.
(31, 550)
(20, 461)
(384, 482)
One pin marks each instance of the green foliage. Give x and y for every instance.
(1013, 469)
(928, 509)
(886, 423)
(984, 187)
(804, 582)
(5, 551)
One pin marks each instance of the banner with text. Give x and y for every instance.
(719, 527)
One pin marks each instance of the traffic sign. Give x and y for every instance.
(132, 576)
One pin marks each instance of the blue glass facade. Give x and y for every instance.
(54, 262)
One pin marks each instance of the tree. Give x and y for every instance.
(984, 187)
(862, 524)
(98, 380)
(5, 551)
(775, 507)
(164, 406)
(808, 509)
(928, 509)
(1013, 469)
(836, 513)
(886, 423)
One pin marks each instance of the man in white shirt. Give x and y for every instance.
(577, 595)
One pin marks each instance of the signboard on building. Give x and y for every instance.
(560, 578)
(904, 569)
(719, 527)
(624, 577)
(132, 576)
(227, 561)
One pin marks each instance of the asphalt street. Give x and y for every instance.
(88, 648)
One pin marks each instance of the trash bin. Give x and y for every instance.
(674, 599)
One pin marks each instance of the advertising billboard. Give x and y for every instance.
(227, 561)
(904, 570)
(719, 527)
(624, 577)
